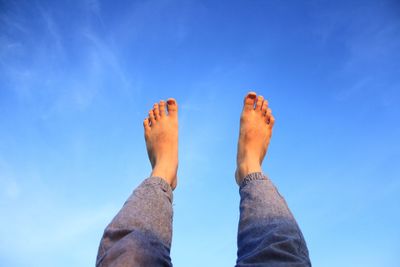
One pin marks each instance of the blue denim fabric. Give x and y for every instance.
(141, 232)
(268, 234)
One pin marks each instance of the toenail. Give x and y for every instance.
(252, 96)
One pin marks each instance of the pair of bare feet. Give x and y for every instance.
(161, 135)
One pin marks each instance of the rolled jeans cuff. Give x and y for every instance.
(252, 177)
(161, 183)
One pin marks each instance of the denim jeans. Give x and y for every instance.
(141, 232)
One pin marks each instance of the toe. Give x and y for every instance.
(268, 116)
(264, 107)
(249, 100)
(162, 108)
(146, 126)
(172, 107)
(259, 103)
(156, 111)
(271, 121)
(151, 117)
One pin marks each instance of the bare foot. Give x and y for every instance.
(161, 135)
(256, 124)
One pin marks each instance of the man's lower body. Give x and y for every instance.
(141, 233)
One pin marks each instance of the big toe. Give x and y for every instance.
(172, 107)
(250, 100)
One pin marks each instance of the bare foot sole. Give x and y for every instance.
(161, 135)
(256, 123)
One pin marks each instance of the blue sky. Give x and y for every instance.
(77, 79)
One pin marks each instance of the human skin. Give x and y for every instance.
(256, 123)
(161, 135)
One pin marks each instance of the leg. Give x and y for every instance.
(268, 234)
(141, 233)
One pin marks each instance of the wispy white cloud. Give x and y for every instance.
(73, 79)
(53, 36)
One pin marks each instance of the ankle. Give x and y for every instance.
(245, 168)
(166, 172)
